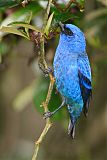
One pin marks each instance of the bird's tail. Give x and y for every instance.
(71, 129)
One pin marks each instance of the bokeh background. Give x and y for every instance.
(23, 87)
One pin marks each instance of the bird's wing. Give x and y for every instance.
(84, 74)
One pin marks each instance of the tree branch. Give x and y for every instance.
(42, 63)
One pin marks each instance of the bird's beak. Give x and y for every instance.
(61, 25)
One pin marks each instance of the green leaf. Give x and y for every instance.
(21, 14)
(25, 25)
(9, 3)
(66, 16)
(14, 31)
(28, 20)
(62, 17)
(48, 24)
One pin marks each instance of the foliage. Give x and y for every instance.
(9, 3)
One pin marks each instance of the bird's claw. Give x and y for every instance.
(47, 115)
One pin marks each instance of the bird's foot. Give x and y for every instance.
(47, 115)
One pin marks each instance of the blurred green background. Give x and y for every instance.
(23, 86)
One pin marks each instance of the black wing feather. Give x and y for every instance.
(86, 91)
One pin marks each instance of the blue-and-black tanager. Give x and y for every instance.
(72, 73)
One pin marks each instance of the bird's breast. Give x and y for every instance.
(66, 75)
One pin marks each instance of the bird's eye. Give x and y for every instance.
(67, 31)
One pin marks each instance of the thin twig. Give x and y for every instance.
(66, 6)
(63, 9)
(37, 144)
(48, 122)
(42, 62)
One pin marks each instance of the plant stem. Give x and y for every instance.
(42, 63)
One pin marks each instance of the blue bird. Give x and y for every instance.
(72, 73)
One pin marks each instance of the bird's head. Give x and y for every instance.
(72, 35)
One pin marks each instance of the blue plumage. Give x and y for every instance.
(72, 72)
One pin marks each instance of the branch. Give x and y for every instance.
(67, 6)
(42, 63)
(48, 122)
